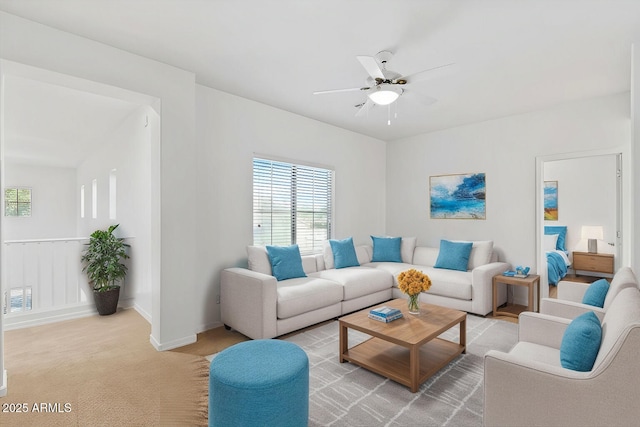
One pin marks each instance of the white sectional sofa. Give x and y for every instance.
(257, 305)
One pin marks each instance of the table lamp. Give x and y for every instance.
(592, 233)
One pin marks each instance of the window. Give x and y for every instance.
(112, 194)
(17, 202)
(20, 299)
(82, 201)
(94, 199)
(291, 204)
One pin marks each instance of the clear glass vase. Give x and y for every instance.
(414, 304)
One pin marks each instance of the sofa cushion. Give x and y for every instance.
(258, 260)
(581, 342)
(596, 293)
(481, 252)
(453, 255)
(358, 281)
(393, 268)
(407, 247)
(301, 295)
(447, 283)
(425, 256)
(344, 253)
(386, 249)
(286, 262)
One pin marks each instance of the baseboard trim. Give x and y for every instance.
(45, 317)
(3, 386)
(172, 344)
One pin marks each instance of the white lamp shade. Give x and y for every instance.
(384, 94)
(593, 232)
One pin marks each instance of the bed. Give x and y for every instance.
(557, 256)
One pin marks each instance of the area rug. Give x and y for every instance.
(343, 394)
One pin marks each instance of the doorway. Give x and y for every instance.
(70, 140)
(590, 192)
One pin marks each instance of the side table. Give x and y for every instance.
(531, 281)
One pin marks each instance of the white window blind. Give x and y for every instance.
(291, 204)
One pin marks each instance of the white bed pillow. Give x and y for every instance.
(550, 241)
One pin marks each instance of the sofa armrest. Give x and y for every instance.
(567, 309)
(482, 284)
(541, 329)
(571, 291)
(248, 302)
(512, 381)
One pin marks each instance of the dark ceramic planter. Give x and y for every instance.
(106, 302)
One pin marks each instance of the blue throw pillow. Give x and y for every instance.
(453, 255)
(581, 343)
(386, 249)
(561, 231)
(344, 253)
(286, 262)
(596, 293)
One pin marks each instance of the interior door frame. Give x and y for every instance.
(623, 207)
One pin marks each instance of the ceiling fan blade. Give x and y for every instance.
(371, 65)
(364, 109)
(353, 89)
(431, 73)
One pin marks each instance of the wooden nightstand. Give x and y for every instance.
(596, 263)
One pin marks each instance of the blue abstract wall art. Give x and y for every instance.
(551, 200)
(460, 196)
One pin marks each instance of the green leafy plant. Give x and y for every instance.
(102, 259)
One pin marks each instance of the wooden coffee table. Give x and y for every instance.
(406, 350)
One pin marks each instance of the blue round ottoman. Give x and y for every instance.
(259, 383)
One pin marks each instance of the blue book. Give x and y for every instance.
(385, 319)
(385, 311)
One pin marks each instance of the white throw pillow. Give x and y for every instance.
(480, 253)
(258, 259)
(550, 241)
(407, 247)
(327, 254)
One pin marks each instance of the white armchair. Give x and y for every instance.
(569, 305)
(528, 386)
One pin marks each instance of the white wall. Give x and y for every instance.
(126, 153)
(174, 163)
(506, 150)
(53, 202)
(586, 196)
(230, 130)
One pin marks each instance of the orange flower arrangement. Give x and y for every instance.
(412, 282)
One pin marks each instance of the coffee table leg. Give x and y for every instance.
(344, 341)
(414, 367)
(463, 335)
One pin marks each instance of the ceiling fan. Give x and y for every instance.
(383, 86)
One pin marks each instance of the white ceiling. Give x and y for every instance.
(54, 125)
(512, 56)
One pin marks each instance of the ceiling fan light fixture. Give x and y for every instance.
(384, 94)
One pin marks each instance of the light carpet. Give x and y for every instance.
(100, 371)
(343, 394)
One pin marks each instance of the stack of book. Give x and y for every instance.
(385, 314)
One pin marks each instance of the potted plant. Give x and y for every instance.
(103, 264)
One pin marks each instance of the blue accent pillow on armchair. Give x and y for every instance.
(581, 343)
(386, 249)
(286, 262)
(453, 255)
(344, 253)
(596, 293)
